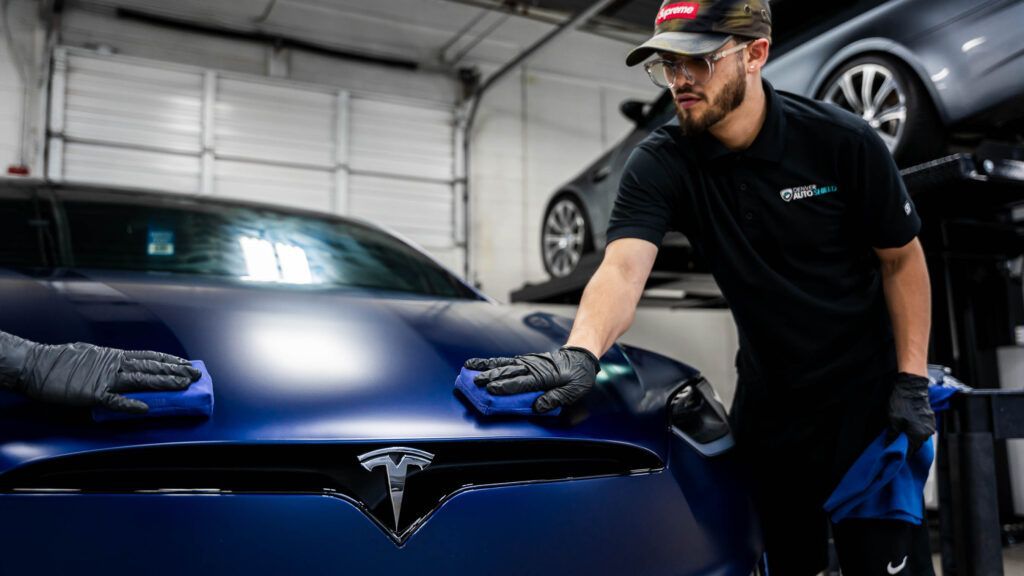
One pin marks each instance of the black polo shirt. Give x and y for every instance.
(788, 228)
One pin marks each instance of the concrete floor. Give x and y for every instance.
(1013, 561)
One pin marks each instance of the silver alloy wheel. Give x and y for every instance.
(872, 92)
(564, 233)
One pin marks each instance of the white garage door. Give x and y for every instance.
(145, 124)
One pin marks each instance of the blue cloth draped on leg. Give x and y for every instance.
(884, 483)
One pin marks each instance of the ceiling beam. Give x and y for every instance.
(466, 125)
(568, 26)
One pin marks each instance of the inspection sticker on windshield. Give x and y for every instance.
(160, 243)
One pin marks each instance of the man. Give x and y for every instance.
(801, 214)
(81, 374)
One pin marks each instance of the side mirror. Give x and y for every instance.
(634, 110)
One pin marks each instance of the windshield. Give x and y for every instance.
(253, 244)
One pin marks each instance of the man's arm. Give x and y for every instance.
(643, 212)
(606, 311)
(609, 301)
(81, 374)
(908, 296)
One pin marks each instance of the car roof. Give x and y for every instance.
(67, 190)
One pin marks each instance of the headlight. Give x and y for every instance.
(698, 417)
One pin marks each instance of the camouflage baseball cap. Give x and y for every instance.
(703, 26)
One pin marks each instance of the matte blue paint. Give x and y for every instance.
(300, 365)
(621, 525)
(385, 371)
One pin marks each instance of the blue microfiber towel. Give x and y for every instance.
(196, 400)
(942, 389)
(939, 397)
(883, 483)
(492, 405)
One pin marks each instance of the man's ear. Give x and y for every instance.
(757, 53)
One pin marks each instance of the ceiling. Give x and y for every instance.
(790, 17)
(432, 33)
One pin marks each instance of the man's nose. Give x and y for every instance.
(680, 79)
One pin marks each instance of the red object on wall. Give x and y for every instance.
(17, 170)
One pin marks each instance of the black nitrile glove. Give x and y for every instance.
(567, 375)
(85, 375)
(910, 411)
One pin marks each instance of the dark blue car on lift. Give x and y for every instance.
(337, 444)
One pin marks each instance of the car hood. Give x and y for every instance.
(300, 364)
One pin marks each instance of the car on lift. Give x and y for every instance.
(923, 74)
(337, 442)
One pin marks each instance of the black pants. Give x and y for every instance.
(797, 445)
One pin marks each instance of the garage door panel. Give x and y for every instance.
(273, 150)
(170, 93)
(451, 258)
(420, 210)
(96, 128)
(274, 123)
(259, 93)
(98, 164)
(239, 124)
(403, 212)
(132, 105)
(401, 139)
(296, 187)
(384, 160)
(121, 70)
(98, 110)
(144, 125)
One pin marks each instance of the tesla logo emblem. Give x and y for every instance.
(396, 461)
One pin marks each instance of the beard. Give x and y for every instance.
(731, 96)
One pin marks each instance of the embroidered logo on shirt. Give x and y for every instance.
(907, 208)
(896, 569)
(801, 192)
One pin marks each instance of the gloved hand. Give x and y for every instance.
(910, 411)
(85, 375)
(567, 375)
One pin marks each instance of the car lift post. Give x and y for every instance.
(969, 508)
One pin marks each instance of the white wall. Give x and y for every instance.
(11, 90)
(536, 129)
(18, 145)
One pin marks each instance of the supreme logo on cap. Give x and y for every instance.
(685, 10)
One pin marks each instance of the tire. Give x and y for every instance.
(901, 111)
(564, 236)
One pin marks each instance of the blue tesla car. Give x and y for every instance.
(336, 445)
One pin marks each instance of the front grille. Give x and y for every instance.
(332, 469)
